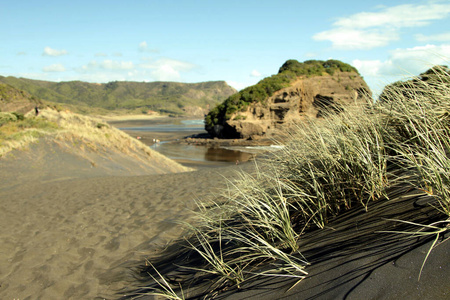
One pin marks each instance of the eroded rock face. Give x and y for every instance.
(311, 97)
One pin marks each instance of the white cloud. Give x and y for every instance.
(419, 59)
(407, 15)
(367, 67)
(405, 62)
(166, 73)
(109, 65)
(255, 73)
(442, 37)
(352, 39)
(167, 69)
(163, 69)
(116, 65)
(53, 52)
(401, 64)
(54, 68)
(367, 30)
(143, 46)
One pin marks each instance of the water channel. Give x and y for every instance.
(164, 135)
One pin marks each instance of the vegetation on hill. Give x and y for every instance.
(371, 153)
(13, 99)
(138, 97)
(289, 71)
(17, 131)
(10, 94)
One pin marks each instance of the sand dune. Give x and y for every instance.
(68, 234)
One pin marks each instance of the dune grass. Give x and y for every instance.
(67, 127)
(327, 166)
(18, 131)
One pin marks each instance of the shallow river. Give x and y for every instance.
(168, 133)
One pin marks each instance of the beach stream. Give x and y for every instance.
(164, 135)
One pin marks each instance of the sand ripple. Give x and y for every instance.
(69, 239)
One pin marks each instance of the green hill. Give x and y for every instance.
(163, 97)
(16, 100)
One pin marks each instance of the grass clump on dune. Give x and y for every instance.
(17, 130)
(80, 134)
(93, 134)
(328, 166)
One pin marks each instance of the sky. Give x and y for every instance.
(240, 42)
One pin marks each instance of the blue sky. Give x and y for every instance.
(240, 42)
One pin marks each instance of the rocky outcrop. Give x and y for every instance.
(306, 97)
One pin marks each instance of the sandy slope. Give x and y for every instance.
(354, 258)
(67, 230)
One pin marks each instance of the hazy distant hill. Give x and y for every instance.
(164, 97)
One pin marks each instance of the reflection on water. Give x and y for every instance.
(192, 154)
(227, 155)
(176, 126)
(182, 152)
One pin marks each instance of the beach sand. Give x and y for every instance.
(71, 236)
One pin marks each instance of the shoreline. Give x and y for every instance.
(185, 140)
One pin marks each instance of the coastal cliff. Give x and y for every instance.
(314, 93)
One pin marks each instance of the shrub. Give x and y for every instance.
(240, 117)
(19, 116)
(6, 117)
(101, 125)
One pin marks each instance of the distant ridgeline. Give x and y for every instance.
(163, 97)
(299, 89)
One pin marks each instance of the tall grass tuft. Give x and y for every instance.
(326, 166)
(419, 117)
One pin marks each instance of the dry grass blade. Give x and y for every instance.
(166, 290)
(437, 231)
